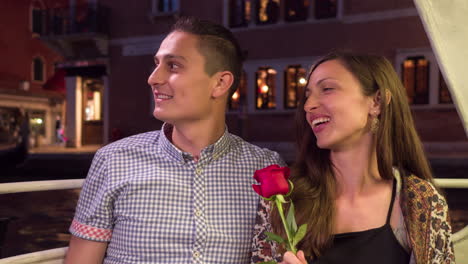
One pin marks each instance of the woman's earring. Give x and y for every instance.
(374, 123)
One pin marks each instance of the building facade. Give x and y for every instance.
(27, 63)
(96, 56)
(281, 39)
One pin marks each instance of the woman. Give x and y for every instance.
(362, 181)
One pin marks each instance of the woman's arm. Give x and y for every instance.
(441, 231)
(263, 250)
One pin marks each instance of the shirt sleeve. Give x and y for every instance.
(441, 231)
(263, 250)
(280, 160)
(93, 215)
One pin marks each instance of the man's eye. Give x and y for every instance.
(327, 89)
(173, 66)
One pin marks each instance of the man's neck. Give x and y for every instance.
(193, 137)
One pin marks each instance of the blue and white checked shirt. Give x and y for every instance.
(154, 204)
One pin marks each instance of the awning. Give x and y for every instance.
(57, 82)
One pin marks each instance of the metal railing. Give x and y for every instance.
(35, 186)
(51, 256)
(57, 255)
(78, 19)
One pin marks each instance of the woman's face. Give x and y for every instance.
(336, 108)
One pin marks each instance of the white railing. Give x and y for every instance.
(51, 256)
(35, 186)
(452, 183)
(56, 256)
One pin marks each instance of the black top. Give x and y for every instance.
(378, 245)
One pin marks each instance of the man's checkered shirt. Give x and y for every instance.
(154, 204)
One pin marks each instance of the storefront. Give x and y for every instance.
(42, 112)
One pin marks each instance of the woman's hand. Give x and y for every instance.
(290, 258)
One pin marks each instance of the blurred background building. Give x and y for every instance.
(53, 70)
(84, 63)
(281, 39)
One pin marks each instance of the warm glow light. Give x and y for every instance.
(235, 96)
(264, 89)
(408, 63)
(302, 80)
(97, 105)
(37, 121)
(248, 7)
(422, 62)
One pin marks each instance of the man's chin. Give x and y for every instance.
(161, 117)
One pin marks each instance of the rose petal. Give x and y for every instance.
(257, 189)
(273, 180)
(287, 172)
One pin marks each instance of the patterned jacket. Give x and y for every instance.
(426, 217)
(427, 220)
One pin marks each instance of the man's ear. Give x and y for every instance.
(224, 81)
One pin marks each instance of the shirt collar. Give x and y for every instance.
(213, 151)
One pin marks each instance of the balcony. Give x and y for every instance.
(76, 32)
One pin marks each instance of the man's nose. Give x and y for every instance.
(156, 77)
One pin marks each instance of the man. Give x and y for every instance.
(182, 194)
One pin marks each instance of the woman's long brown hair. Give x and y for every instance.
(397, 145)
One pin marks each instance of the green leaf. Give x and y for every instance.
(291, 220)
(268, 262)
(291, 188)
(280, 198)
(301, 232)
(274, 237)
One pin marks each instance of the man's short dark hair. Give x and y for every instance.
(217, 44)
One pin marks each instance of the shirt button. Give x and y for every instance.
(196, 254)
(198, 171)
(197, 212)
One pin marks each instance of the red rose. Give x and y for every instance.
(273, 180)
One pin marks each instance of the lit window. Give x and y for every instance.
(265, 88)
(325, 9)
(268, 11)
(239, 96)
(93, 100)
(444, 93)
(415, 71)
(38, 70)
(296, 10)
(295, 81)
(37, 122)
(239, 12)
